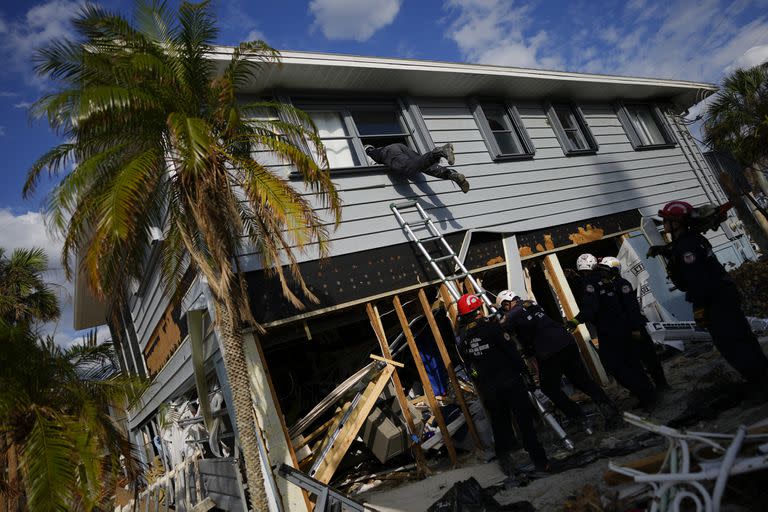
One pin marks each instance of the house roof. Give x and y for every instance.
(311, 71)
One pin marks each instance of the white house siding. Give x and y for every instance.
(513, 196)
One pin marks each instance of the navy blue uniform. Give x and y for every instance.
(496, 369)
(694, 269)
(601, 306)
(642, 344)
(557, 354)
(406, 162)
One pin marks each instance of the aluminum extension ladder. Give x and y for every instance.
(434, 235)
(450, 255)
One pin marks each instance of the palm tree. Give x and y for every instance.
(160, 138)
(53, 415)
(736, 123)
(736, 120)
(24, 295)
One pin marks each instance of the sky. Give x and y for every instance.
(697, 40)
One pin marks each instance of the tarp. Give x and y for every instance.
(633, 270)
(469, 496)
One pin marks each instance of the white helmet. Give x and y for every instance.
(611, 263)
(505, 295)
(586, 262)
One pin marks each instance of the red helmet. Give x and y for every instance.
(676, 210)
(468, 303)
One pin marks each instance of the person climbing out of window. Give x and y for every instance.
(403, 161)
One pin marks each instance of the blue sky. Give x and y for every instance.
(696, 40)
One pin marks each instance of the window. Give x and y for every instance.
(645, 126)
(346, 129)
(571, 129)
(502, 130)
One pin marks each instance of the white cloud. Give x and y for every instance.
(22, 104)
(353, 19)
(255, 35)
(2, 131)
(28, 230)
(20, 38)
(8, 94)
(494, 32)
(751, 58)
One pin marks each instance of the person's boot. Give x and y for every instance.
(461, 181)
(446, 152)
(611, 414)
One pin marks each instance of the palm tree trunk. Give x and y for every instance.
(239, 383)
(751, 223)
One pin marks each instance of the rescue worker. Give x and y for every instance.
(557, 355)
(600, 305)
(695, 270)
(405, 162)
(496, 369)
(642, 344)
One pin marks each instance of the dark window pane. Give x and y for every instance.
(508, 143)
(380, 141)
(377, 122)
(497, 118)
(573, 131)
(646, 125)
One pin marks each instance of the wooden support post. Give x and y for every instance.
(449, 366)
(568, 301)
(378, 329)
(428, 392)
(352, 426)
(275, 432)
(450, 304)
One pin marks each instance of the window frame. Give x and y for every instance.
(528, 149)
(562, 137)
(403, 111)
(630, 129)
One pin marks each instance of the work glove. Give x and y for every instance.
(572, 324)
(656, 250)
(700, 317)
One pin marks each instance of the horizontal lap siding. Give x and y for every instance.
(547, 190)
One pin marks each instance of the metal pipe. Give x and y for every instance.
(725, 467)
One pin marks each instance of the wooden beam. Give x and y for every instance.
(353, 424)
(571, 308)
(428, 391)
(378, 329)
(449, 367)
(274, 431)
(450, 304)
(386, 360)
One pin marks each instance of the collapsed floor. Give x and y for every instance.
(706, 395)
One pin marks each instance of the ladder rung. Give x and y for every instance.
(404, 204)
(430, 239)
(443, 258)
(456, 276)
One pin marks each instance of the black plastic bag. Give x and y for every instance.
(468, 496)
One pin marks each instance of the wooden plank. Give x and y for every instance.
(449, 366)
(428, 391)
(388, 361)
(568, 301)
(353, 425)
(450, 305)
(378, 329)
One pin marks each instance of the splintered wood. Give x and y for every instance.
(338, 445)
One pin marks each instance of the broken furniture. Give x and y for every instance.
(696, 466)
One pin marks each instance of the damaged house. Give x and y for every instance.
(559, 163)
